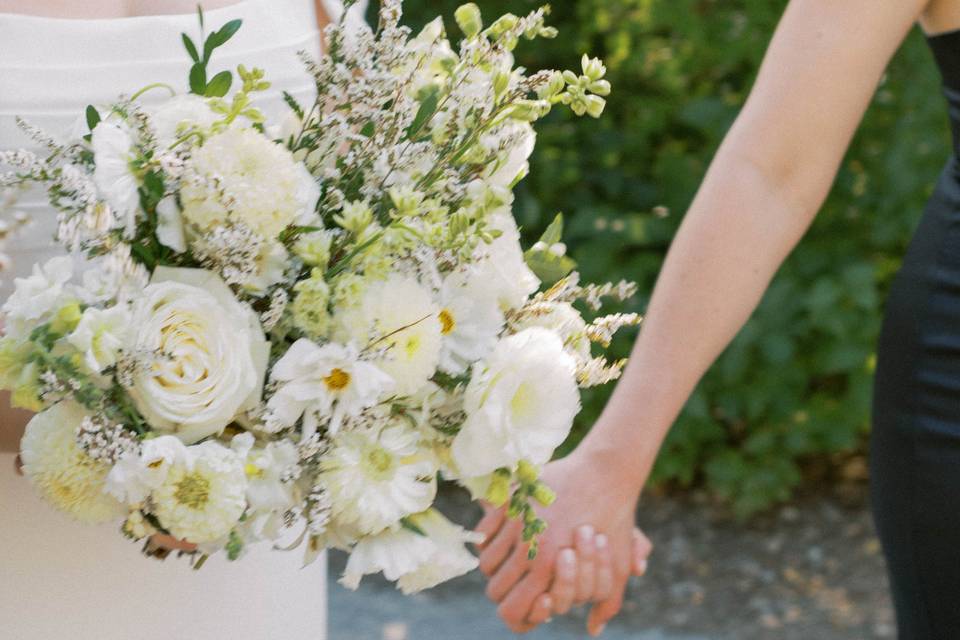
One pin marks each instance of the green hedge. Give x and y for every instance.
(795, 385)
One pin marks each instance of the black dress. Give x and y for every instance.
(915, 451)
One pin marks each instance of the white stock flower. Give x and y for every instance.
(398, 316)
(470, 321)
(170, 118)
(61, 471)
(520, 404)
(502, 264)
(170, 231)
(101, 334)
(375, 477)
(416, 562)
(241, 175)
(39, 295)
(136, 474)
(203, 496)
(207, 354)
(319, 382)
(113, 174)
(265, 468)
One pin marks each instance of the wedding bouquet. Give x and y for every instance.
(285, 332)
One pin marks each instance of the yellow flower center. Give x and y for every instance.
(447, 322)
(412, 345)
(193, 491)
(379, 461)
(337, 380)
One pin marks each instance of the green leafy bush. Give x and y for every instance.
(796, 383)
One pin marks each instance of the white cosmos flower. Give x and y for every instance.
(61, 471)
(502, 265)
(416, 562)
(375, 477)
(38, 296)
(112, 155)
(470, 321)
(399, 317)
(204, 495)
(319, 382)
(520, 404)
(101, 334)
(264, 187)
(170, 118)
(210, 354)
(136, 474)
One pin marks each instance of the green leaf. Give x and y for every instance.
(190, 47)
(554, 232)
(220, 37)
(198, 78)
(406, 523)
(93, 117)
(368, 129)
(200, 15)
(549, 268)
(219, 85)
(293, 104)
(428, 107)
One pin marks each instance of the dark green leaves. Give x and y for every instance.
(198, 79)
(221, 37)
(93, 117)
(191, 48)
(219, 84)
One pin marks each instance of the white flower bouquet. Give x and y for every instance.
(284, 333)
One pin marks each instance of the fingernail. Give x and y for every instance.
(585, 532)
(643, 567)
(600, 630)
(601, 541)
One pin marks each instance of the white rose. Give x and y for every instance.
(210, 354)
(520, 404)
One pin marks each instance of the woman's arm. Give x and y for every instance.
(762, 191)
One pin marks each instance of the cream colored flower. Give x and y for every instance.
(202, 497)
(113, 173)
(502, 265)
(101, 335)
(61, 471)
(207, 354)
(470, 320)
(179, 113)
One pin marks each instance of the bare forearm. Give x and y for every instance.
(12, 422)
(738, 231)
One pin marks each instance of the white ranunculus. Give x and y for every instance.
(520, 404)
(136, 474)
(209, 354)
(399, 317)
(112, 155)
(170, 231)
(324, 382)
(416, 562)
(266, 189)
(38, 296)
(61, 471)
(513, 162)
(470, 320)
(171, 117)
(376, 477)
(101, 335)
(502, 265)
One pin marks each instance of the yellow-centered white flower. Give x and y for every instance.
(376, 477)
(61, 471)
(206, 354)
(470, 320)
(136, 474)
(520, 404)
(328, 382)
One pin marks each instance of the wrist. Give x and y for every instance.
(618, 466)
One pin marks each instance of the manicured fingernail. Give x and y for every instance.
(585, 532)
(600, 630)
(601, 541)
(643, 567)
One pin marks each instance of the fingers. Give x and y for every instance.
(541, 612)
(497, 549)
(586, 553)
(490, 524)
(508, 574)
(516, 607)
(642, 547)
(603, 567)
(603, 612)
(564, 589)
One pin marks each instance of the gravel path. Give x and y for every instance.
(811, 570)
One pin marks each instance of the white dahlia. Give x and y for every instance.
(398, 317)
(520, 404)
(241, 175)
(375, 477)
(470, 321)
(324, 382)
(202, 497)
(416, 562)
(61, 471)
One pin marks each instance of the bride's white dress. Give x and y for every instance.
(59, 579)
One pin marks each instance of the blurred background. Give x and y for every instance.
(758, 504)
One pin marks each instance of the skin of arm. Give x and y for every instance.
(763, 189)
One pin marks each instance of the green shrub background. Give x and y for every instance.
(795, 386)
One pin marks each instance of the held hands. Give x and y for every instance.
(587, 553)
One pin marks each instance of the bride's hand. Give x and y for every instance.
(160, 545)
(588, 495)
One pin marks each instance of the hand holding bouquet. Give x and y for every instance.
(284, 332)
